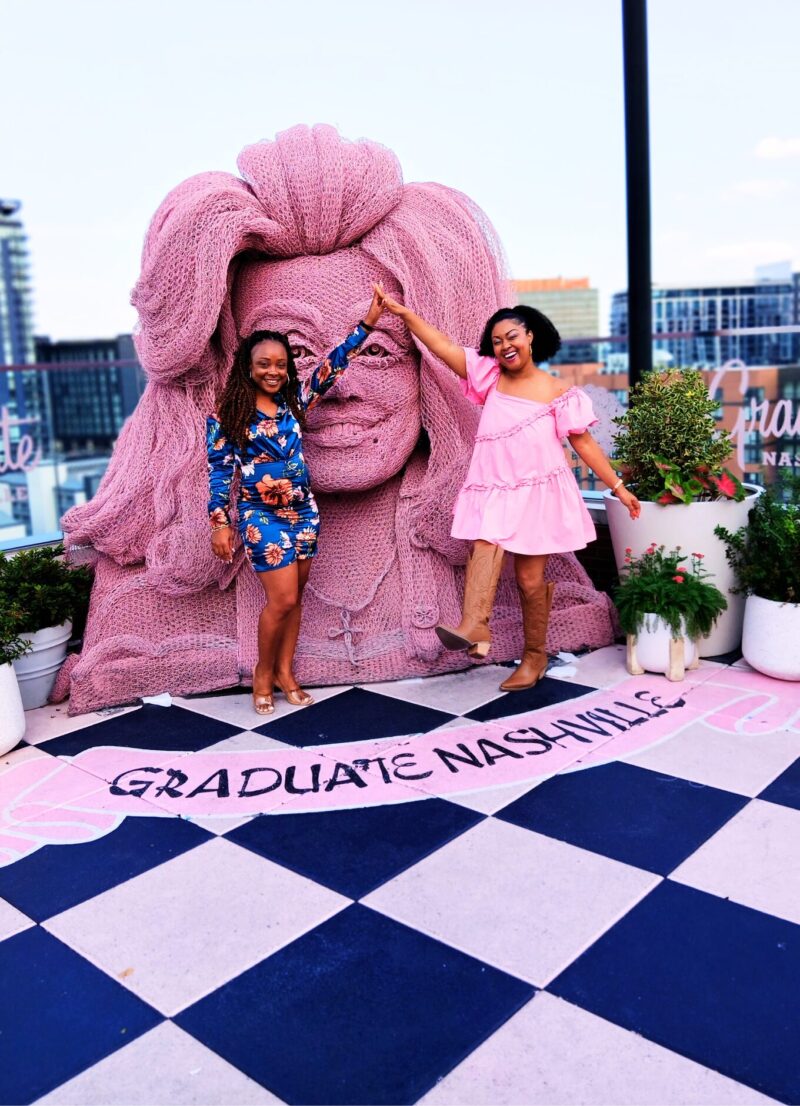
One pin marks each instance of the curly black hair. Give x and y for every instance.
(236, 405)
(546, 339)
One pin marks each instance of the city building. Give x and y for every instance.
(690, 318)
(574, 309)
(93, 385)
(22, 393)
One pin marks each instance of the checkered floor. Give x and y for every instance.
(628, 933)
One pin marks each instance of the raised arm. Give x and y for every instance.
(328, 372)
(439, 344)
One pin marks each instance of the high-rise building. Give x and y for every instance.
(93, 386)
(690, 316)
(21, 390)
(574, 309)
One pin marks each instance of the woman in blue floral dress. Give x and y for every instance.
(257, 430)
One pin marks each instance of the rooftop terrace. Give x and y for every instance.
(584, 893)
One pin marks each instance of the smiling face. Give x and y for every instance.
(269, 367)
(511, 344)
(365, 429)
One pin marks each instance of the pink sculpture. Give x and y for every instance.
(294, 246)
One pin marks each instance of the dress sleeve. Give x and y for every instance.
(574, 413)
(220, 472)
(328, 372)
(482, 373)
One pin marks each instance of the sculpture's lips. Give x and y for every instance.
(340, 433)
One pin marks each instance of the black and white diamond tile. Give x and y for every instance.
(623, 933)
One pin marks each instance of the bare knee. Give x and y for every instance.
(281, 606)
(529, 572)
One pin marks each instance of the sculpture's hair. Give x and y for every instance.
(307, 192)
(237, 403)
(546, 339)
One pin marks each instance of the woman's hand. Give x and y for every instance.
(222, 543)
(376, 307)
(387, 302)
(629, 500)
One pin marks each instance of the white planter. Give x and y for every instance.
(37, 670)
(771, 637)
(653, 649)
(690, 526)
(12, 716)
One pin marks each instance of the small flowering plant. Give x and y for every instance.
(659, 583)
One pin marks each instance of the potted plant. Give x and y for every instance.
(665, 608)
(765, 556)
(46, 591)
(12, 646)
(672, 455)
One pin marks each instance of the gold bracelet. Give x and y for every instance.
(222, 526)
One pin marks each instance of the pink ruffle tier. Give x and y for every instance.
(519, 492)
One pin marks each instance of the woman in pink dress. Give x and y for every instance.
(519, 495)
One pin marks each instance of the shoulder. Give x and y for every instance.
(558, 390)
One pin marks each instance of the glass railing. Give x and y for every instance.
(58, 426)
(59, 423)
(753, 373)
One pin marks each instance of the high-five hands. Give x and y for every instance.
(376, 307)
(386, 301)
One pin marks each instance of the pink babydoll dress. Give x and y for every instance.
(519, 492)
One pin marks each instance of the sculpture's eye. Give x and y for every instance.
(301, 352)
(374, 350)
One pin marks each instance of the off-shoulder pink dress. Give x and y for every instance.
(519, 492)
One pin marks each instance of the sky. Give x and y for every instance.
(518, 103)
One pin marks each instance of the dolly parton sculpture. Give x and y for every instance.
(293, 245)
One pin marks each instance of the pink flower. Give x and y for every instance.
(628, 549)
(680, 568)
(678, 579)
(699, 556)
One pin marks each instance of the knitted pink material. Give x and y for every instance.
(294, 246)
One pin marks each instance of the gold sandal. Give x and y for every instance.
(262, 703)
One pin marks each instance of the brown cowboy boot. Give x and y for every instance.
(472, 633)
(535, 616)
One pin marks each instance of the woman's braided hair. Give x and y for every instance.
(546, 339)
(237, 404)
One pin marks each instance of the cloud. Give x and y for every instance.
(774, 147)
(760, 189)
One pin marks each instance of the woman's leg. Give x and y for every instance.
(281, 592)
(284, 662)
(535, 598)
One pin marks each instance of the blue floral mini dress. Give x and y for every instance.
(277, 513)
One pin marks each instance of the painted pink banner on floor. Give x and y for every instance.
(47, 801)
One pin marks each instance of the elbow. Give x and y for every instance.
(580, 442)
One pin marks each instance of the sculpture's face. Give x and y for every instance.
(365, 429)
